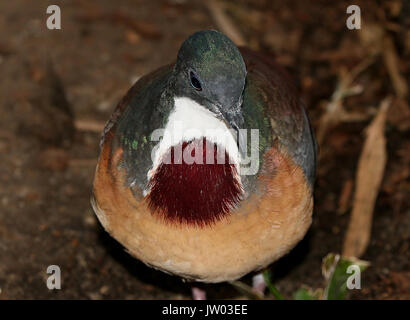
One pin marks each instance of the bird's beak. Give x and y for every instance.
(233, 117)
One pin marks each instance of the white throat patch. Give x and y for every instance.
(190, 120)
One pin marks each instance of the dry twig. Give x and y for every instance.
(224, 23)
(391, 60)
(335, 112)
(368, 179)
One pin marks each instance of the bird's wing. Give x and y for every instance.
(133, 121)
(272, 104)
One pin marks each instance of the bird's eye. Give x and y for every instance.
(195, 83)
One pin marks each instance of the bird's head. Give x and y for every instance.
(210, 70)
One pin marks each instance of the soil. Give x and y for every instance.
(51, 78)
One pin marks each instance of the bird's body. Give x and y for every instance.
(210, 221)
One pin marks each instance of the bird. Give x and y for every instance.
(207, 165)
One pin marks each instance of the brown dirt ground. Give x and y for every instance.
(47, 168)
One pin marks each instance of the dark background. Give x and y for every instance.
(59, 86)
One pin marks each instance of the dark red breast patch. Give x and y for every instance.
(194, 184)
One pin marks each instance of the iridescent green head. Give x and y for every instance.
(210, 70)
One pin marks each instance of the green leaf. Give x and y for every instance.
(334, 269)
(271, 287)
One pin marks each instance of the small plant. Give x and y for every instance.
(336, 271)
